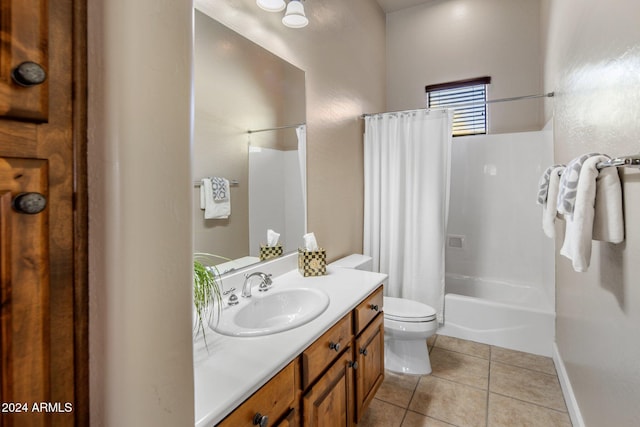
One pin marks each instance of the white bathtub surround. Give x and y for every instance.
(494, 183)
(517, 317)
(407, 168)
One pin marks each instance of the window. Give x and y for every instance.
(467, 98)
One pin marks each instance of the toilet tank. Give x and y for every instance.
(356, 261)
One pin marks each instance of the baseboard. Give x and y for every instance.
(567, 390)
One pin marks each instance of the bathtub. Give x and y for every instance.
(508, 315)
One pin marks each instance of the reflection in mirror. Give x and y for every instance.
(239, 86)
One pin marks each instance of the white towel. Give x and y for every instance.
(598, 193)
(550, 206)
(214, 209)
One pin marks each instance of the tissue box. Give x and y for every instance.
(269, 252)
(312, 263)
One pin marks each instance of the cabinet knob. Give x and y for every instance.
(29, 203)
(29, 74)
(375, 307)
(334, 346)
(260, 420)
(353, 364)
(363, 351)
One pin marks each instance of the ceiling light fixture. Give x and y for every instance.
(294, 17)
(271, 5)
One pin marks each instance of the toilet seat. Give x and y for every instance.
(404, 310)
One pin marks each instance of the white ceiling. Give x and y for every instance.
(393, 5)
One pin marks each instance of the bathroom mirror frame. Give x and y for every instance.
(240, 86)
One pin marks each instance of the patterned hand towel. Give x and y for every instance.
(220, 188)
(569, 184)
(543, 184)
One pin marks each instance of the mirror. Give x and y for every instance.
(239, 86)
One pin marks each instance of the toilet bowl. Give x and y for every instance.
(407, 325)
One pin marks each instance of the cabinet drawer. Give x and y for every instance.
(273, 400)
(368, 309)
(325, 350)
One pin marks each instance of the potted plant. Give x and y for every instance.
(207, 292)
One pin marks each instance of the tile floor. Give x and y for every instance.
(472, 384)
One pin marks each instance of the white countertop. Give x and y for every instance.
(235, 367)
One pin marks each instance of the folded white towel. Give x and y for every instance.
(214, 209)
(599, 189)
(550, 206)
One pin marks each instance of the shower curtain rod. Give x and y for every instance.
(277, 128)
(469, 104)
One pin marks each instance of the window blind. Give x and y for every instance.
(467, 98)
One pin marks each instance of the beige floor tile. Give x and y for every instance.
(463, 346)
(523, 360)
(382, 414)
(524, 384)
(397, 388)
(450, 402)
(507, 412)
(460, 368)
(413, 419)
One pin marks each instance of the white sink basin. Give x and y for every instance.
(273, 311)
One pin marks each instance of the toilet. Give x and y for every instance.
(407, 325)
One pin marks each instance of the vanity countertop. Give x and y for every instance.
(234, 368)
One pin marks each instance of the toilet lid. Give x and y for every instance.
(405, 310)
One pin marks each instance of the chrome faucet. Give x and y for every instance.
(246, 288)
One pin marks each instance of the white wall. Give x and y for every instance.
(140, 355)
(443, 41)
(592, 61)
(494, 182)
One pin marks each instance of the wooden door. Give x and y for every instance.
(43, 268)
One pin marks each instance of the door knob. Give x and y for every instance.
(29, 203)
(29, 74)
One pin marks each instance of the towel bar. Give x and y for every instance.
(624, 161)
(232, 183)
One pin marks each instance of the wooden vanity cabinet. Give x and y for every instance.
(331, 383)
(343, 393)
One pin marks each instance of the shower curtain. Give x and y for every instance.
(301, 133)
(406, 167)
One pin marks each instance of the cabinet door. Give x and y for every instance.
(329, 403)
(24, 88)
(24, 312)
(370, 372)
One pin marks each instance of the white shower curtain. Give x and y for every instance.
(406, 167)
